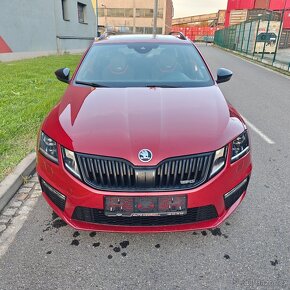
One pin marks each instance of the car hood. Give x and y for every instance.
(119, 122)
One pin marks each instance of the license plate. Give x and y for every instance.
(145, 206)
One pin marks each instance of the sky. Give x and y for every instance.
(195, 7)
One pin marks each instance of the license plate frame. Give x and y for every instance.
(145, 206)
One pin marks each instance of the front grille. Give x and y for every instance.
(93, 215)
(56, 197)
(114, 174)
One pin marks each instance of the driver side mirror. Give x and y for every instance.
(223, 75)
(62, 74)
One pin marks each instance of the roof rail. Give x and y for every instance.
(178, 34)
(106, 34)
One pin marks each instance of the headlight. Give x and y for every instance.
(240, 146)
(70, 162)
(48, 147)
(219, 161)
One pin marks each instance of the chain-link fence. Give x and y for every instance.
(261, 39)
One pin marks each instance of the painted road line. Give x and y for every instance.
(259, 132)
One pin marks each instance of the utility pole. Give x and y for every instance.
(155, 15)
(106, 17)
(97, 19)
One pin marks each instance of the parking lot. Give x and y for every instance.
(250, 250)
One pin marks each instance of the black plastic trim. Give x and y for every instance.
(232, 196)
(97, 216)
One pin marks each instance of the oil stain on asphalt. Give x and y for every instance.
(274, 263)
(75, 242)
(124, 244)
(55, 223)
(117, 249)
(58, 223)
(215, 232)
(76, 234)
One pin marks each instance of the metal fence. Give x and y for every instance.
(258, 39)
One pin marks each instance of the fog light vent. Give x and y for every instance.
(55, 196)
(232, 196)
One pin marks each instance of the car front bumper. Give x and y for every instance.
(82, 207)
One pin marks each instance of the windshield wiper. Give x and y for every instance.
(161, 86)
(91, 84)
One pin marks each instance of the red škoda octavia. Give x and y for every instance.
(143, 140)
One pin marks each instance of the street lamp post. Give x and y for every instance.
(106, 19)
(155, 15)
(97, 18)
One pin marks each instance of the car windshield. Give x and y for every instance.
(143, 65)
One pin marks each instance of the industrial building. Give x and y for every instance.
(200, 27)
(211, 20)
(203, 27)
(54, 26)
(134, 16)
(239, 11)
(246, 7)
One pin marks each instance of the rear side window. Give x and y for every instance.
(144, 64)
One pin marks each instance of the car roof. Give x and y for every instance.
(127, 38)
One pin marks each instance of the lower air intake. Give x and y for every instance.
(93, 215)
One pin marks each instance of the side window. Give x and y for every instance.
(64, 6)
(82, 12)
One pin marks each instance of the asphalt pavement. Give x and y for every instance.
(251, 250)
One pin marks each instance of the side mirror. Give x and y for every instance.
(62, 74)
(223, 75)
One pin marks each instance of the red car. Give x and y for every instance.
(143, 140)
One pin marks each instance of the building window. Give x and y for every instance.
(145, 13)
(148, 30)
(128, 12)
(81, 12)
(120, 12)
(159, 30)
(101, 12)
(123, 29)
(148, 13)
(64, 10)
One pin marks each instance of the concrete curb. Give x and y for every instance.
(273, 68)
(16, 56)
(10, 185)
